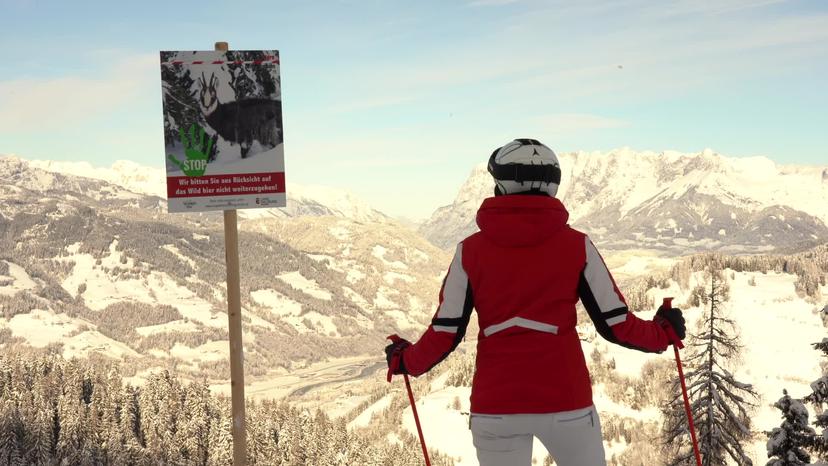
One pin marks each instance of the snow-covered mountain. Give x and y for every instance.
(92, 267)
(303, 200)
(316, 201)
(670, 200)
(127, 174)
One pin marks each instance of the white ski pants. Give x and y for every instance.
(573, 438)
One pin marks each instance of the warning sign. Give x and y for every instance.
(223, 132)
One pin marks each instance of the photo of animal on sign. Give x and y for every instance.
(223, 137)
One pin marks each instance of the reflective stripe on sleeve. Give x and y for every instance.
(444, 328)
(617, 320)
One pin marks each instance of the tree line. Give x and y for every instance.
(59, 412)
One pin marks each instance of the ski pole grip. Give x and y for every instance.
(666, 304)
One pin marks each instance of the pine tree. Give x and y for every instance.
(786, 444)
(180, 106)
(10, 433)
(221, 448)
(719, 402)
(40, 452)
(819, 397)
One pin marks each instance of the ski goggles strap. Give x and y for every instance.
(520, 172)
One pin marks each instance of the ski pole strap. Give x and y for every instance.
(395, 362)
(395, 358)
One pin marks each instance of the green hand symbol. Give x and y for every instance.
(195, 150)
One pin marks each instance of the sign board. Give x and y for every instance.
(223, 133)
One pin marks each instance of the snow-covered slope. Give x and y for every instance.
(388, 270)
(316, 201)
(672, 200)
(303, 200)
(129, 175)
(98, 268)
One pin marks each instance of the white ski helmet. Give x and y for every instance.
(525, 165)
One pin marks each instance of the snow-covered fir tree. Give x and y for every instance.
(181, 108)
(57, 412)
(719, 402)
(819, 398)
(786, 443)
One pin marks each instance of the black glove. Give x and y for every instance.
(672, 317)
(394, 356)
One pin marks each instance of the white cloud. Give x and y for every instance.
(45, 104)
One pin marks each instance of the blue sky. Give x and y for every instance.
(398, 100)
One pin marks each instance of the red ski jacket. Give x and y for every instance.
(523, 272)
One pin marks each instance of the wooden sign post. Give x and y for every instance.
(223, 140)
(231, 252)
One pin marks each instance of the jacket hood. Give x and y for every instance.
(516, 220)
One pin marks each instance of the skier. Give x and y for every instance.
(523, 272)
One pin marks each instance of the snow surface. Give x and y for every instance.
(211, 351)
(380, 251)
(356, 298)
(174, 249)
(103, 288)
(130, 175)
(41, 327)
(364, 418)
(383, 300)
(290, 311)
(391, 277)
(175, 326)
(403, 320)
(17, 280)
(307, 286)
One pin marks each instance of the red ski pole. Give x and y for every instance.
(677, 344)
(394, 339)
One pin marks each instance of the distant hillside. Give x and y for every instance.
(303, 200)
(87, 266)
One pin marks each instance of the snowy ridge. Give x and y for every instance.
(670, 199)
(634, 177)
(129, 175)
(315, 200)
(303, 200)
